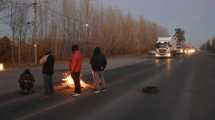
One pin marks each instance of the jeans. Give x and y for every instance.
(48, 84)
(76, 78)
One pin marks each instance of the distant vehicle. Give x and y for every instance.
(179, 49)
(163, 47)
(189, 51)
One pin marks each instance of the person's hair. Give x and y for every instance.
(96, 51)
(48, 51)
(75, 48)
(27, 71)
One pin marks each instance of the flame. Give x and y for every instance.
(1, 67)
(68, 80)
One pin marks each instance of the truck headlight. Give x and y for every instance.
(168, 55)
(157, 55)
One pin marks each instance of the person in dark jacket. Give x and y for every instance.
(48, 70)
(26, 82)
(98, 64)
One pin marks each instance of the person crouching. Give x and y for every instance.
(26, 82)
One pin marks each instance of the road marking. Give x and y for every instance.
(154, 80)
(69, 100)
(24, 98)
(184, 106)
(46, 109)
(112, 107)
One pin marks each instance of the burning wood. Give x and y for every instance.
(68, 81)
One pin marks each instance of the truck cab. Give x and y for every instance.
(163, 48)
(179, 48)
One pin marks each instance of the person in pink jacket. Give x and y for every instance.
(75, 68)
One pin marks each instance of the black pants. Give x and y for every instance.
(48, 84)
(26, 86)
(76, 78)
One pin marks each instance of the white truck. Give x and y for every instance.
(179, 48)
(165, 47)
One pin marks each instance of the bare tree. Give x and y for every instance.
(63, 23)
(18, 23)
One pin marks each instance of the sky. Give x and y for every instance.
(196, 17)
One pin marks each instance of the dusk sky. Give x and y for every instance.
(196, 17)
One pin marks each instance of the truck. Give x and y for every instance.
(179, 48)
(165, 47)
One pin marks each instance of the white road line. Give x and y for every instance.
(66, 102)
(24, 98)
(112, 107)
(155, 80)
(46, 109)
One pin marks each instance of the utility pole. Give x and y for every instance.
(65, 20)
(34, 36)
(13, 38)
(18, 6)
(35, 20)
(65, 28)
(87, 24)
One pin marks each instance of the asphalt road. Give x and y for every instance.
(9, 77)
(186, 92)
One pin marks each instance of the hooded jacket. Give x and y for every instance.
(98, 61)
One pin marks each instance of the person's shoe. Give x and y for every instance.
(97, 91)
(76, 94)
(104, 90)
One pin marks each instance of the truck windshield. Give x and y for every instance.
(161, 45)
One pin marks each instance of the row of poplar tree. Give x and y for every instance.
(58, 24)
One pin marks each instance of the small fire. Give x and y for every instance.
(68, 81)
(1, 67)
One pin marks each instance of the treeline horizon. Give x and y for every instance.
(57, 25)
